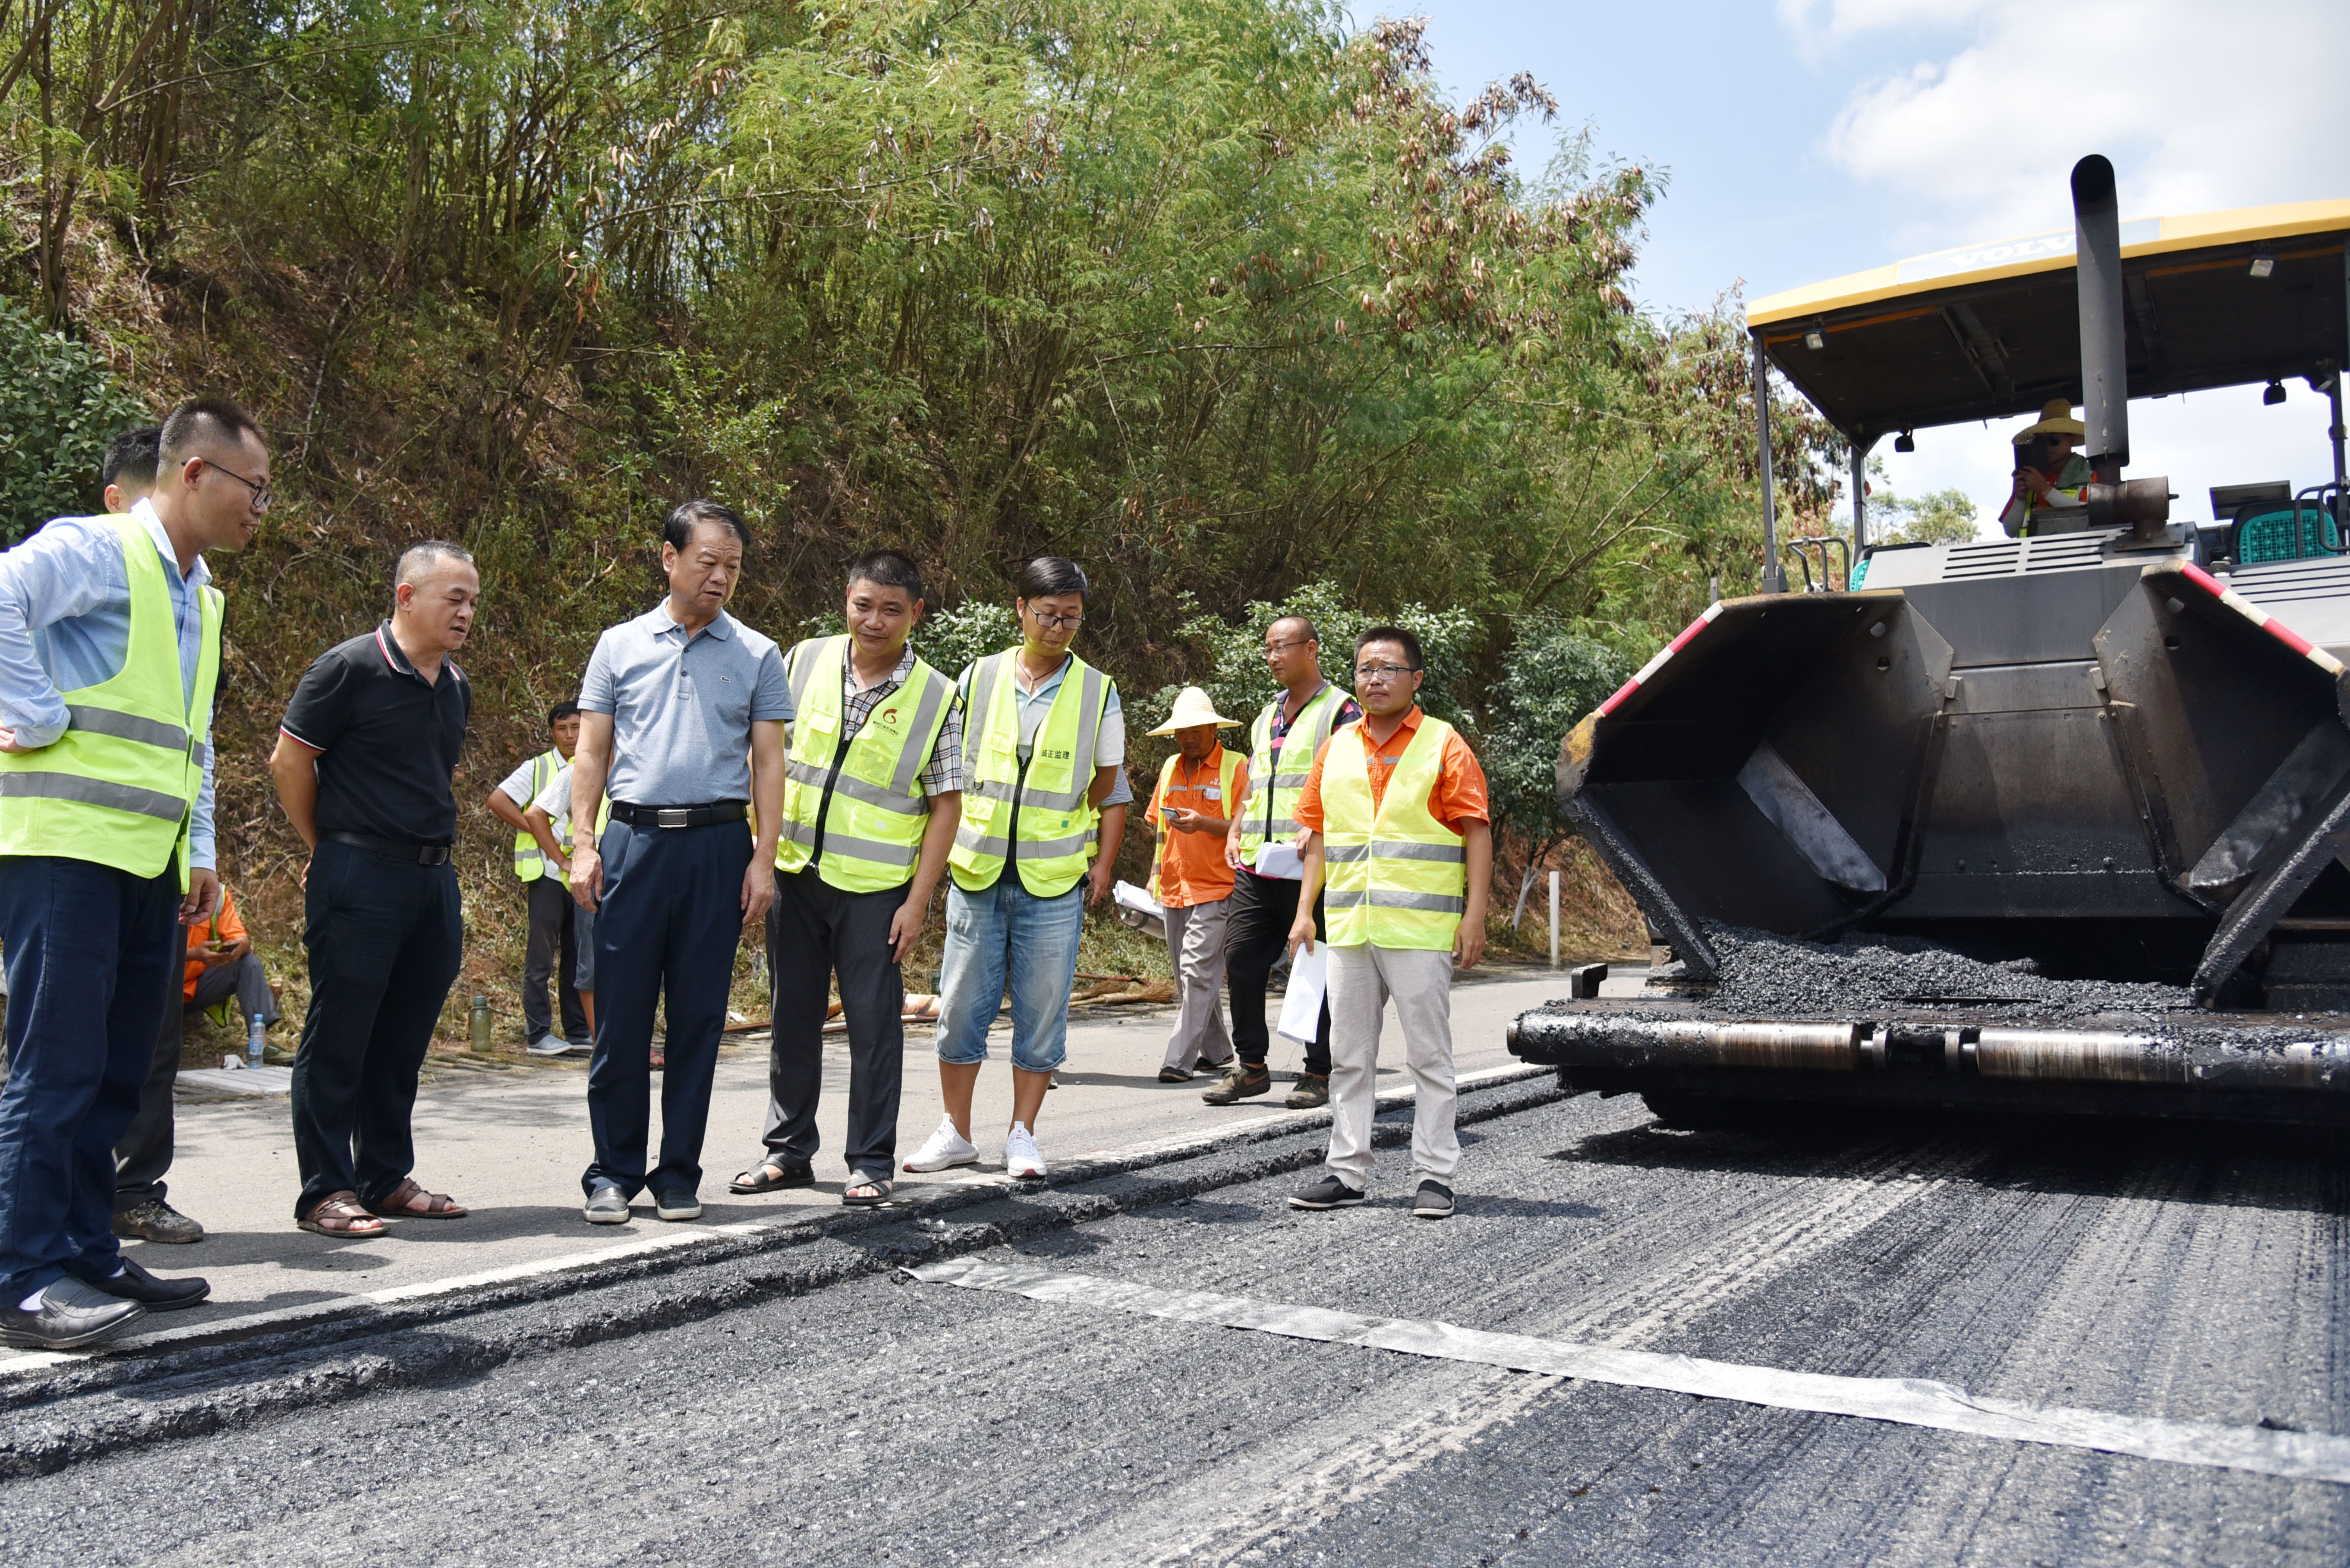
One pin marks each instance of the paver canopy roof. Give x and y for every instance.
(1991, 331)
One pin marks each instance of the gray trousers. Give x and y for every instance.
(144, 1152)
(1362, 980)
(1195, 941)
(816, 932)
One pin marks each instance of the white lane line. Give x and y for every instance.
(1909, 1402)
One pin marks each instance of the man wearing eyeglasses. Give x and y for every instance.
(1042, 741)
(1262, 849)
(1397, 816)
(110, 648)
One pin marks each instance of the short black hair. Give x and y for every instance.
(1312, 634)
(560, 711)
(888, 569)
(1413, 657)
(202, 422)
(130, 457)
(678, 532)
(1047, 575)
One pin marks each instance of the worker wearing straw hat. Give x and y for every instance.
(1198, 789)
(2049, 475)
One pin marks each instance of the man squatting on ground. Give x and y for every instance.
(109, 651)
(1396, 812)
(365, 762)
(1192, 811)
(682, 715)
(1263, 849)
(548, 951)
(1042, 741)
(872, 797)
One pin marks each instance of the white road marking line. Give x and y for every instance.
(1912, 1402)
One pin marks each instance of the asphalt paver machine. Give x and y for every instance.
(2120, 752)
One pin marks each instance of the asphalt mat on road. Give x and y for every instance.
(810, 1404)
(511, 1145)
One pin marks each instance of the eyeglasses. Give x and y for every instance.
(260, 490)
(1383, 671)
(1273, 648)
(1058, 622)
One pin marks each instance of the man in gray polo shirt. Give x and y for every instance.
(674, 702)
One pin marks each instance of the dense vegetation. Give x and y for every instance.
(1221, 298)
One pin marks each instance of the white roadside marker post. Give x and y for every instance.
(1553, 919)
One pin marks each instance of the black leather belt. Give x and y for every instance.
(422, 854)
(679, 815)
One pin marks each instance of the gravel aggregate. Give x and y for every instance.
(1766, 975)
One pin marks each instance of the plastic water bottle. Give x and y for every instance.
(254, 1042)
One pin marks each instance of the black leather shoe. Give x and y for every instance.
(71, 1313)
(134, 1283)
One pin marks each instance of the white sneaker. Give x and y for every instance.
(1020, 1155)
(942, 1150)
(548, 1046)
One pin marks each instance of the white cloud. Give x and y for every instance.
(2199, 106)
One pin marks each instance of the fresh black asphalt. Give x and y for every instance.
(803, 1401)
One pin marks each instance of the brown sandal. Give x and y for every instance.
(401, 1204)
(340, 1214)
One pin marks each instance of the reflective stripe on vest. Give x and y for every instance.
(872, 825)
(1396, 877)
(1276, 781)
(1054, 818)
(530, 861)
(119, 786)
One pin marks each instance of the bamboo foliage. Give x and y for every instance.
(1223, 297)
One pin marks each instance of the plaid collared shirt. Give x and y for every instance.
(943, 774)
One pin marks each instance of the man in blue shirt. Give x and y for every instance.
(91, 894)
(682, 724)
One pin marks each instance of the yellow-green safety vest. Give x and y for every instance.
(864, 794)
(1277, 778)
(530, 862)
(1396, 877)
(1056, 820)
(562, 825)
(119, 786)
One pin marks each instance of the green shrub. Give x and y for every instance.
(60, 405)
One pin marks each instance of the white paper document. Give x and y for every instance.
(1301, 1004)
(1138, 899)
(1279, 858)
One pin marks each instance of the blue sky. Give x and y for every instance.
(1813, 137)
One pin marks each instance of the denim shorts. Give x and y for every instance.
(1001, 938)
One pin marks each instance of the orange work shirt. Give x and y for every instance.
(1191, 866)
(225, 926)
(1458, 797)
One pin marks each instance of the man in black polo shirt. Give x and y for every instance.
(363, 767)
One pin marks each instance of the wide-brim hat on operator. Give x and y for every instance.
(2055, 418)
(1192, 709)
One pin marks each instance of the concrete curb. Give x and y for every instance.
(193, 1382)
